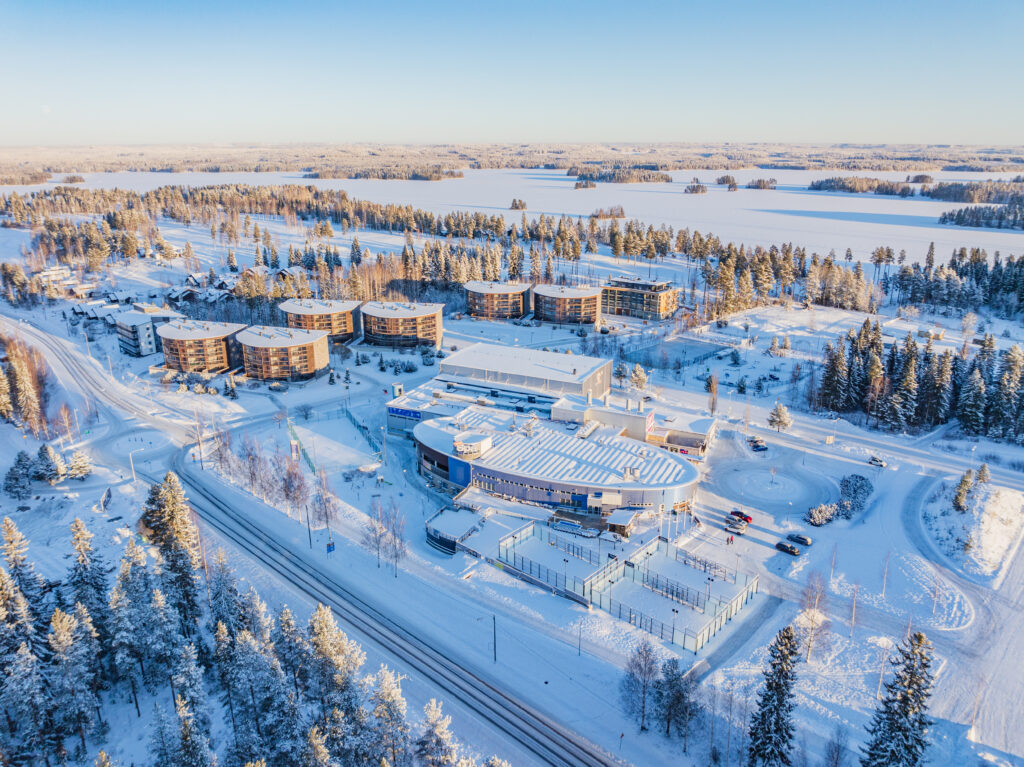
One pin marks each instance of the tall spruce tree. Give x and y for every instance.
(970, 410)
(898, 732)
(771, 726)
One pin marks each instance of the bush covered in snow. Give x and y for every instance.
(854, 490)
(821, 514)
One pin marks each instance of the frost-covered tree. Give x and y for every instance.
(25, 696)
(193, 747)
(334, 666)
(225, 602)
(126, 643)
(163, 640)
(18, 480)
(675, 700)
(163, 740)
(292, 648)
(6, 406)
(88, 578)
(48, 466)
(898, 732)
(771, 726)
(21, 570)
(963, 488)
(779, 418)
(435, 747)
(388, 729)
(638, 378)
(75, 702)
(315, 752)
(637, 685)
(970, 409)
(167, 515)
(80, 466)
(188, 684)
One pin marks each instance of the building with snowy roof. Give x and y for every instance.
(556, 464)
(565, 304)
(198, 346)
(639, 297)
(136, 329)
(402, 323)
(497, 300)
(339, 318)
(525, 368)
(275, 354)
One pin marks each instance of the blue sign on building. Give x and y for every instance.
(403, 413)
(330, 546)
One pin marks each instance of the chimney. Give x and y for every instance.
(640, 406)
(607, 396)
(629, 405)
(590, 398)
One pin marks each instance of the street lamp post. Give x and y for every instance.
(675, 612)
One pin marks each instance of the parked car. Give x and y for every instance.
(788, 548)
(803, 540)
(760, 447)
(773, 376)
(876, 461)
(740, 515)
(736, 528)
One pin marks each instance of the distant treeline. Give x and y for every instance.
(762, 183)
(636, 174)
(861, 184)
(28, 177)
(977, 191)
(389, 174)
(1008, 216)
(585, 185)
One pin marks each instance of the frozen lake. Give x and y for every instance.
(819, 221)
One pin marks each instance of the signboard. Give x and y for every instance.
(405, 413)
(330, 546)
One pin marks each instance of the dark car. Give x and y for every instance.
(760, 447)
(789, 548)
(803, 540)
(740, 515)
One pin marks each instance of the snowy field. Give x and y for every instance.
(819, 221)
(893, 567)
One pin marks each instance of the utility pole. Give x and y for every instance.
(87, 350)
(494, 635)
(853, 613)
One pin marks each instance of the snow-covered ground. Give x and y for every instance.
(819, 221)
(885, 569)
(981, 539)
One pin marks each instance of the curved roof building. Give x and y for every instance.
(198, 346)
(567, 304)
(338, 318)
(272, 353)
(497, 300)
(553, 463)
(402, 323)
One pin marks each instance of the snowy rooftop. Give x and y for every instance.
(497, 288)
(196, 330)
(554, 451)
(567, 291)
(447, 395)
(481, 501)
(685, 420)
(522, 361)
(401, 309)
(316, 306)
(266, 335)
(638, 283)
(134, 318)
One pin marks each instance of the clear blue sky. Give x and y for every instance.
(185, 72)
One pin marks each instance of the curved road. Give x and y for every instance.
(549, 741)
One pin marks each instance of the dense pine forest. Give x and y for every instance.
(165, 631)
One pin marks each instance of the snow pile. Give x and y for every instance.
(980, 539)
